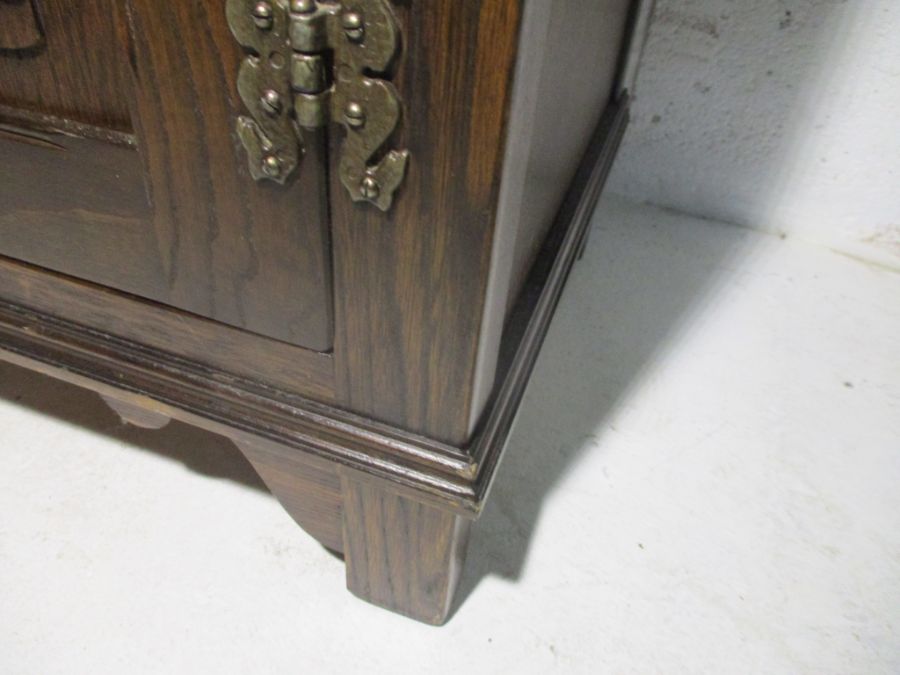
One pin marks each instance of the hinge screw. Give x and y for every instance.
(353, 26)
(370, 188)
(271, 102)
(303, 6)
(271, 166)
(263, 16)
(355, 115)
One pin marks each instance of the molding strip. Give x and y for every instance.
(454, 478)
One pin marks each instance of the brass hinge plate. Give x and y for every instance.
(287, 86)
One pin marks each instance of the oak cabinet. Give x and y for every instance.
(334, 232)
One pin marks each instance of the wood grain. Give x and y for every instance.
(234, 352)
(401, 555)
(76, 204)
(410, 284)
(370, 447)
(78, 72)
(309, 489)
(19, 26)
(240, 408)
(457, 478)
(404, 519)
(252, 255)
(181, 223)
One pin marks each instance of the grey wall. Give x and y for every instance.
(781, 115)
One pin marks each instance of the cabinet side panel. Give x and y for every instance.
(574, 88)
(570, 55)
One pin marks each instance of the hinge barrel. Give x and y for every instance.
(282, 101)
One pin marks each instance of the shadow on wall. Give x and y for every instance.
(774, 114)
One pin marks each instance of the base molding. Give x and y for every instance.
(278, 429)
(399, 506)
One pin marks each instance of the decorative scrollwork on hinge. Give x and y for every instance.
(273, 143)
(286, 85)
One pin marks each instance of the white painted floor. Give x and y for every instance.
(705, 478)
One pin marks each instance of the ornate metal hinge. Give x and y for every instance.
(287, 84)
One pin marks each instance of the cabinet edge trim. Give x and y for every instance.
(457, 479)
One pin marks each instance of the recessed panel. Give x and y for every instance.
(65, 58)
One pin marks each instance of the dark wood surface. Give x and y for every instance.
(171, 283)
(169, 213)
(415, 341)
(401, 554)
(309, 489)
(209, 345)
(455, 478)
(20, 27)
(77, 203)
(409, 284)
(252, 255)
(592, 31)
(239, 408)
(405, 508)
(78, 72)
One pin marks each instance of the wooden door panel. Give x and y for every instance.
(76, 72)
(249, 254)
(77, 203)
(120, 165)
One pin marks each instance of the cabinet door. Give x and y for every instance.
(120, 164)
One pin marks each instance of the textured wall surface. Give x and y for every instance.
(782, 115)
